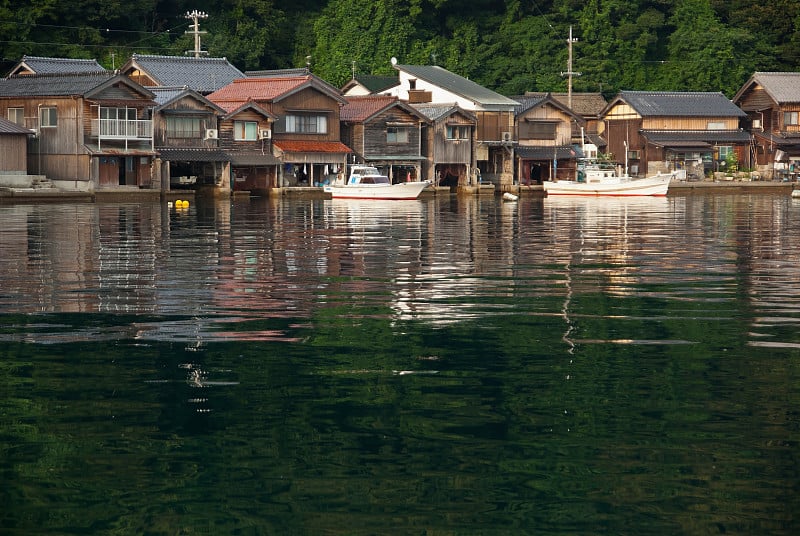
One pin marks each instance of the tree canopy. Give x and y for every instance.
(507, 45)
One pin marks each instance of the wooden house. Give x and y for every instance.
(493, 157)
(92, 130)
(448, 143)
(588, 106)
(42, 65)
(294, 118)
(204, 75)
(543, 128)
(385, 132)
(772, 104)
(651, 132)
(185, 134)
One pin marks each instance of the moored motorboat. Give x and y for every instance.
(597, 179)
(366, 182)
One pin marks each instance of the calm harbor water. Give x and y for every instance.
(443, 366)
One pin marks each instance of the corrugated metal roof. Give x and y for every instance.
(201, 74)
(456, 84)
(678, 103)
(546, 153)
(193, 155)
(375, 83)
(782, 87)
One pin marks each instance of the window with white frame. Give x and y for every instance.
(790, 119)
(716, 125)
(457, 132)
(724, 151)
(396, 135)
(306, 124)
(48, 116)
(183, 127)
(17, 115)
(245, 130)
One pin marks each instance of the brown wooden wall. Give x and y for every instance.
(187, 107)
(491, 125)
(13, 153)
(308, 100)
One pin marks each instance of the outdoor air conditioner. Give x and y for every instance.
(211, 134)
(506, 136)
(264, 134)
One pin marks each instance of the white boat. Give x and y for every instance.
(366, 182)
(595, 178)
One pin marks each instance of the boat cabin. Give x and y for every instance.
(367, 175)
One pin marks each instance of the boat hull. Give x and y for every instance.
(400, 191)
(656, 185)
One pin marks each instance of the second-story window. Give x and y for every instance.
(396, 135)
(183, 127)
(790, 119)
(245, 130)
(17, 115)
(48, 116)
(307, 124)
(457, 132)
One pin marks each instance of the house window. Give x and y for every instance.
(790, 118)
(412, 84)
(396, 135)
(538, 130)
(17, 115)
(183, 127)
(118, 114)
(48, 116)
(307, 124)
(245, 130)
(457, 132)
(724, 151)
(716, 125)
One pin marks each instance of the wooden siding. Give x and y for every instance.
(756, 99)
(190, 108)
(549, 114)
(492, 125)
(688, 123)
(226, 132)
(309, 101)
(13, 148)
(375, 134)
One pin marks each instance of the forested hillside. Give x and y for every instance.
(511, 46)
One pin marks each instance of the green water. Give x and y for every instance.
(447, 366)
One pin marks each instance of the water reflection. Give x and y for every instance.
(445, 365)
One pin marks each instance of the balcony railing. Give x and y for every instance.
(122, 129)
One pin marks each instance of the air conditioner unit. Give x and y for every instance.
(506, 136)
(211, 134)
(264, 134)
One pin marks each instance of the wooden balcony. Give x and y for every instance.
(122, 129)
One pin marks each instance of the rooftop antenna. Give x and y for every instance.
(354, 69)
(308, 63)
(195, 17)
(569, 72)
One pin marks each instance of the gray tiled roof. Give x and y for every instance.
(9, 127)
(190, 154)
(454, 83)
(166, 94)
(43, 65)
(201, 74)
(434, 112)
(526, 102)
(783, 87)
(679, 103)
(47, 85)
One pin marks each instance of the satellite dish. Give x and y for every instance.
(394, 60)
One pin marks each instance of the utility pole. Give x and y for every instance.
(195, 17)
(569, 72)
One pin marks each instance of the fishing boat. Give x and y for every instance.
(366, 182)
(603, 178)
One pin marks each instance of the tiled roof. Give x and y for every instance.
(585, 104)
(43, 65)
(9, 127)
(374, 83)
(251, 158)
(242, 90)
(782, 87)
(546, 153)
(678, 103)
(193, 155)
(435, 112)
(166, 94)
(279, 73)
(299, 146)
(526, 102)
(361, 108)
(52, 85)
(201, 74)
(456, 84)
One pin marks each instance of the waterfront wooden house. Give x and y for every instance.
(663, 131)
(385, 132)
(771, 101)
(291, 116)
(545, 149)
(185, 135)
(588, 106)
(493, 157)
(92, 130)
(448, 143)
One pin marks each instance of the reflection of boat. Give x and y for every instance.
(366, 182)
(597, 178)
